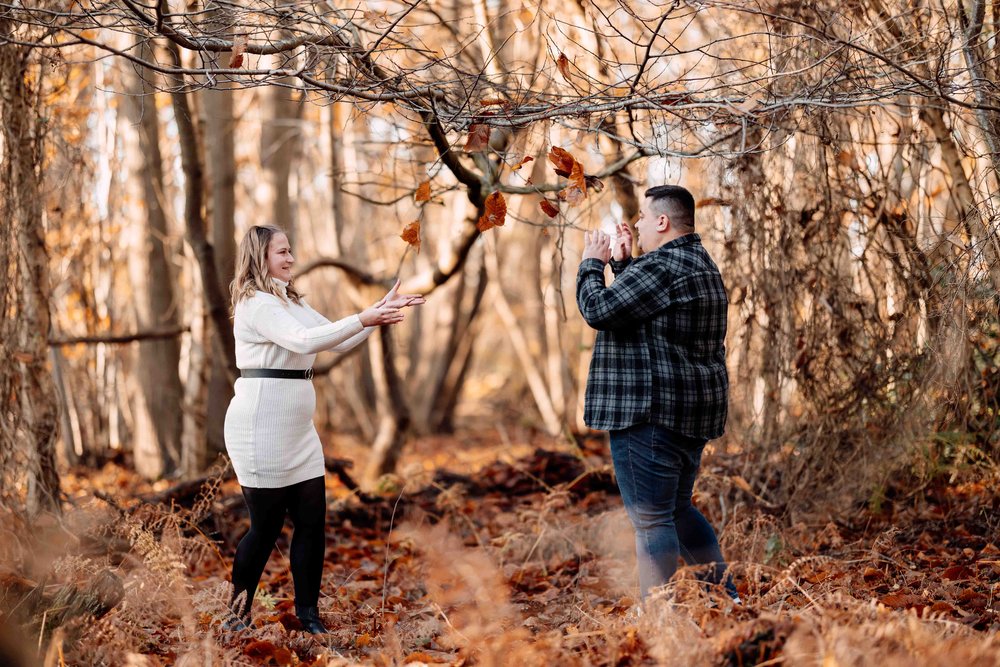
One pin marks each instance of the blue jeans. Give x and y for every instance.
(656, 469)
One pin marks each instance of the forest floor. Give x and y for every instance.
(492, 549)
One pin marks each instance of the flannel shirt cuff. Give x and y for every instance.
(617, 266)
(592, 264)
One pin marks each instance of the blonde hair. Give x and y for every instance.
(251, 267)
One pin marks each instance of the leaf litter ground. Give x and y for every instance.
(530, 560)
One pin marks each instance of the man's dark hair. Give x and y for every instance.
(676, 203)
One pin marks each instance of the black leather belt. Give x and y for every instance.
(280, 373)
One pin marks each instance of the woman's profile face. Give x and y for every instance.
(279, 258)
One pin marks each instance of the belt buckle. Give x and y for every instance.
(309, 374)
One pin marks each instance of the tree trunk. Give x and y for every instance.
(337, 171)
(29, 423)
(540, 390)
(159, 359)
(216, 300)
(221, 167)
(394, 413)
(963, 195)
(279, 138)
(451, 367)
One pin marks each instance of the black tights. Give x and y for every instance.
(305, 503)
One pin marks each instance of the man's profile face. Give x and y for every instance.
(648, 236)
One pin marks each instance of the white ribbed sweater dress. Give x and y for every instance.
(269, 429)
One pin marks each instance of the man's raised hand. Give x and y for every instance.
(597, 245)
(621, 249)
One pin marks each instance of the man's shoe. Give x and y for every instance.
(311, 623)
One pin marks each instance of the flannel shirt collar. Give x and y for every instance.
(693, 237)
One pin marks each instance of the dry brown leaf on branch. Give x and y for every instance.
(525, 160)
(576, 191)
(495, 212)
(562, 160)
(479, 138)
(411, 234)
(423, 192)
(594, 183)
(239, 48)
(548, 208)
(562, 62)
(495, 101)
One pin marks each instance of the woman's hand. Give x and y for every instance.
(380, 314)
(400, 300)
(622, 246)
(387, 310)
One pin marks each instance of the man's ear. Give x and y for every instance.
(663, 223)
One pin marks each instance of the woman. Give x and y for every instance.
(269, 431)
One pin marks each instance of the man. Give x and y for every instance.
(658, 379)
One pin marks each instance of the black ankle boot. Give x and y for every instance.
(309, 616)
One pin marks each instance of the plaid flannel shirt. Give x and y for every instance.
(660, 353)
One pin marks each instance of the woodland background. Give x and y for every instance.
(844, 156)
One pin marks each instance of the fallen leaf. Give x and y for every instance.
(289, 621)
(495, 212)
(900, 600)
(283, 657)
(239, 47)
(259, 649)
(957, 572)
(420, 656)
(361, 641)
(479, 138)
(818, 577)
(548, 208)
(423, 192)
(411, 234)
(942, 607)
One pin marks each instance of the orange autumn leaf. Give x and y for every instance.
(525, 160)
(423, 192)
(283, 657)
(411, 234)
(495, 212)
(259, 649)
(420, 656)
(576, 191)
(548, 208)
(562, 160)
(239, 47)
(495, 101)
(562, 62)
(479, 138)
